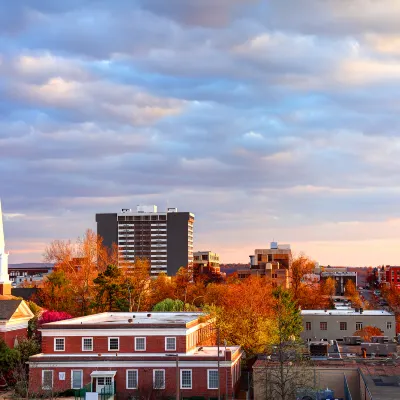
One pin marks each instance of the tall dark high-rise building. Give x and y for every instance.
(165, 239)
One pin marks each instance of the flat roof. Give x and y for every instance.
(346, 312)
(131, 318)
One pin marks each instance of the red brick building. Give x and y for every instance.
(14, 317)
(393, 276)
(135, 354)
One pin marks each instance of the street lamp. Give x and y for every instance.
(176, 355)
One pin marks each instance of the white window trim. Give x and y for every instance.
(72, 378)
(208, 378)
(52, 379)
(137, 378)
(191, 378)
(83, 348)
(170, 337)
(56, 338)
(140, 337)
(154, 378)
(113, 337)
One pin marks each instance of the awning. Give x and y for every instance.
(103, 373)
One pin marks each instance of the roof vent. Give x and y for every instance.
(149, 315)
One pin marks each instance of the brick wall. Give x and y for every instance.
(9, 337)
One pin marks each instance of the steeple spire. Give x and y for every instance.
(5, 285)
(2, 243)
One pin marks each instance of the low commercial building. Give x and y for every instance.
(335, 324)
(134, 355)
(341, 278)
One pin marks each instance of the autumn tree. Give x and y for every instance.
(76, 265)
(301, 266)
(367, 332)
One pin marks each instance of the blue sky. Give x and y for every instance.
(268, 120)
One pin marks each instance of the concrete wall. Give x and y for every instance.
(333, 332)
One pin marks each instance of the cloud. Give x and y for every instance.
(264, 122)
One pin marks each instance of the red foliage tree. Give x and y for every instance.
(53, 316)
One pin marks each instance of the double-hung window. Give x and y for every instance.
(76, 379)
(170, 343)
(212, 379)
(113, 344)
(186, 378)
(343, 326)
(87, 344)
(323, 326)
(388, 325)
(159, 379)
(59, 344)
(47, 379)
(308, 326)
(132, 379)
(359, 326)
(140, 344)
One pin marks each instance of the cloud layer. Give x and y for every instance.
(266, 119)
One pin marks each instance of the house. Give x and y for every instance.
(14, 317)
(135, 354)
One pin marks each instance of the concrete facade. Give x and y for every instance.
(335, 324)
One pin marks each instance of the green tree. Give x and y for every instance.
(169, 305)
(110, 294)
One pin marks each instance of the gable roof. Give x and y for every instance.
(8, 308)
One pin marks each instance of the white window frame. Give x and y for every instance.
(109, 341)
(191, 378)
(58, 338)
(140, 337)
(208, 379)
(52, 379)
(137, 378)
(72, 378)
(154, 378)
(166, 341)
(360, 326)
(387, 325)
(83, 347)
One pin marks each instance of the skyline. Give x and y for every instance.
(265, 123)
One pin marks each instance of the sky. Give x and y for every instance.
(269, 121)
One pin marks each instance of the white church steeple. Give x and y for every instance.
(5, 287)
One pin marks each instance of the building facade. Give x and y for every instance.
(165, 239)
(336, 324)
(341, 278)
(274, 263)
(393, 276)
(135, 354)
(206, 263)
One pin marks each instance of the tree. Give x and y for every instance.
(329, 287)
(169, 305)
(52, 316)
(286, 369)
(350, 289)
(301, 266)
(76, 266)
(110, 295)
(367, 332)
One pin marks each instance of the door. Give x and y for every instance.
(104, 384)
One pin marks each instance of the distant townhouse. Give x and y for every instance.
(135, 354)
(393, 276)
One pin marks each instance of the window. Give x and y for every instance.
(359, 326)
(132, 379)
(323, 326)
(140, 344)
(343, 326)
(59, 344)
(47, 379)
(76, 379)
(170, 343)
(388, 325)
(212, 382)
(308, 326)
(113, 343)
(186, 378)
(159, 379)
(87, 344)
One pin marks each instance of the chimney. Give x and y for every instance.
(361, 310)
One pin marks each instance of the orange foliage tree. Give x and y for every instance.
(367, 332)
(301, 266)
